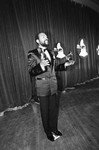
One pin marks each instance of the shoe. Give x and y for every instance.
(37, 101)
(56, 136)
(57, 133)
(50, 137)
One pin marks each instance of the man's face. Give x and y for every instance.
(43, 39)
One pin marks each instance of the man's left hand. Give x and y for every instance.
(69, 63)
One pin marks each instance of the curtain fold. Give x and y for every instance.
(65, 22)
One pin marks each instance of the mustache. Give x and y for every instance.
(46, 40)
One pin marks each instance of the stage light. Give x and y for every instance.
(82, 50)
(60, 51)
(60, 54)
(97, 50)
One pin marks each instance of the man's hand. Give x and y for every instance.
(69, 63)
(44, 63)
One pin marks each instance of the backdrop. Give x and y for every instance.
(65, 22)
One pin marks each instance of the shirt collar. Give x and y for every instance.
(41, 49)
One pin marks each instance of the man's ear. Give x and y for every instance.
(37, 41)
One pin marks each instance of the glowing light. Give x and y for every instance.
(97, 49)
(82, 47)
(60, 51)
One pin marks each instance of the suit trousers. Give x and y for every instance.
(49, 107)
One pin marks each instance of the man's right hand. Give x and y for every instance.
(44, 63)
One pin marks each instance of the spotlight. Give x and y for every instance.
(97, 50)
(60, 51)
(82, 48)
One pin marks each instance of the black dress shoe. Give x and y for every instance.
(58, 133)
(50, 137)
(37, 101)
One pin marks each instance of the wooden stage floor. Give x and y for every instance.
(78, 120)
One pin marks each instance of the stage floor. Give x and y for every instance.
(78, 120)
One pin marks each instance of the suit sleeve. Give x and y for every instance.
(34, 67)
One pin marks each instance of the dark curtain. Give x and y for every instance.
(65, 22)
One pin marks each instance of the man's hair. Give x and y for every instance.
(37, 35)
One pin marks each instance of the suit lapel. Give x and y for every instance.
(37, 53)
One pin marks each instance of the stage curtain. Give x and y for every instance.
(65, 22)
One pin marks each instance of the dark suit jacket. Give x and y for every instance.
(45, 81)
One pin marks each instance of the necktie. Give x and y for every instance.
(45, 55)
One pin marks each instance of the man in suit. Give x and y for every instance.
(42, 65)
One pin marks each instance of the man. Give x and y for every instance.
(42, 65)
